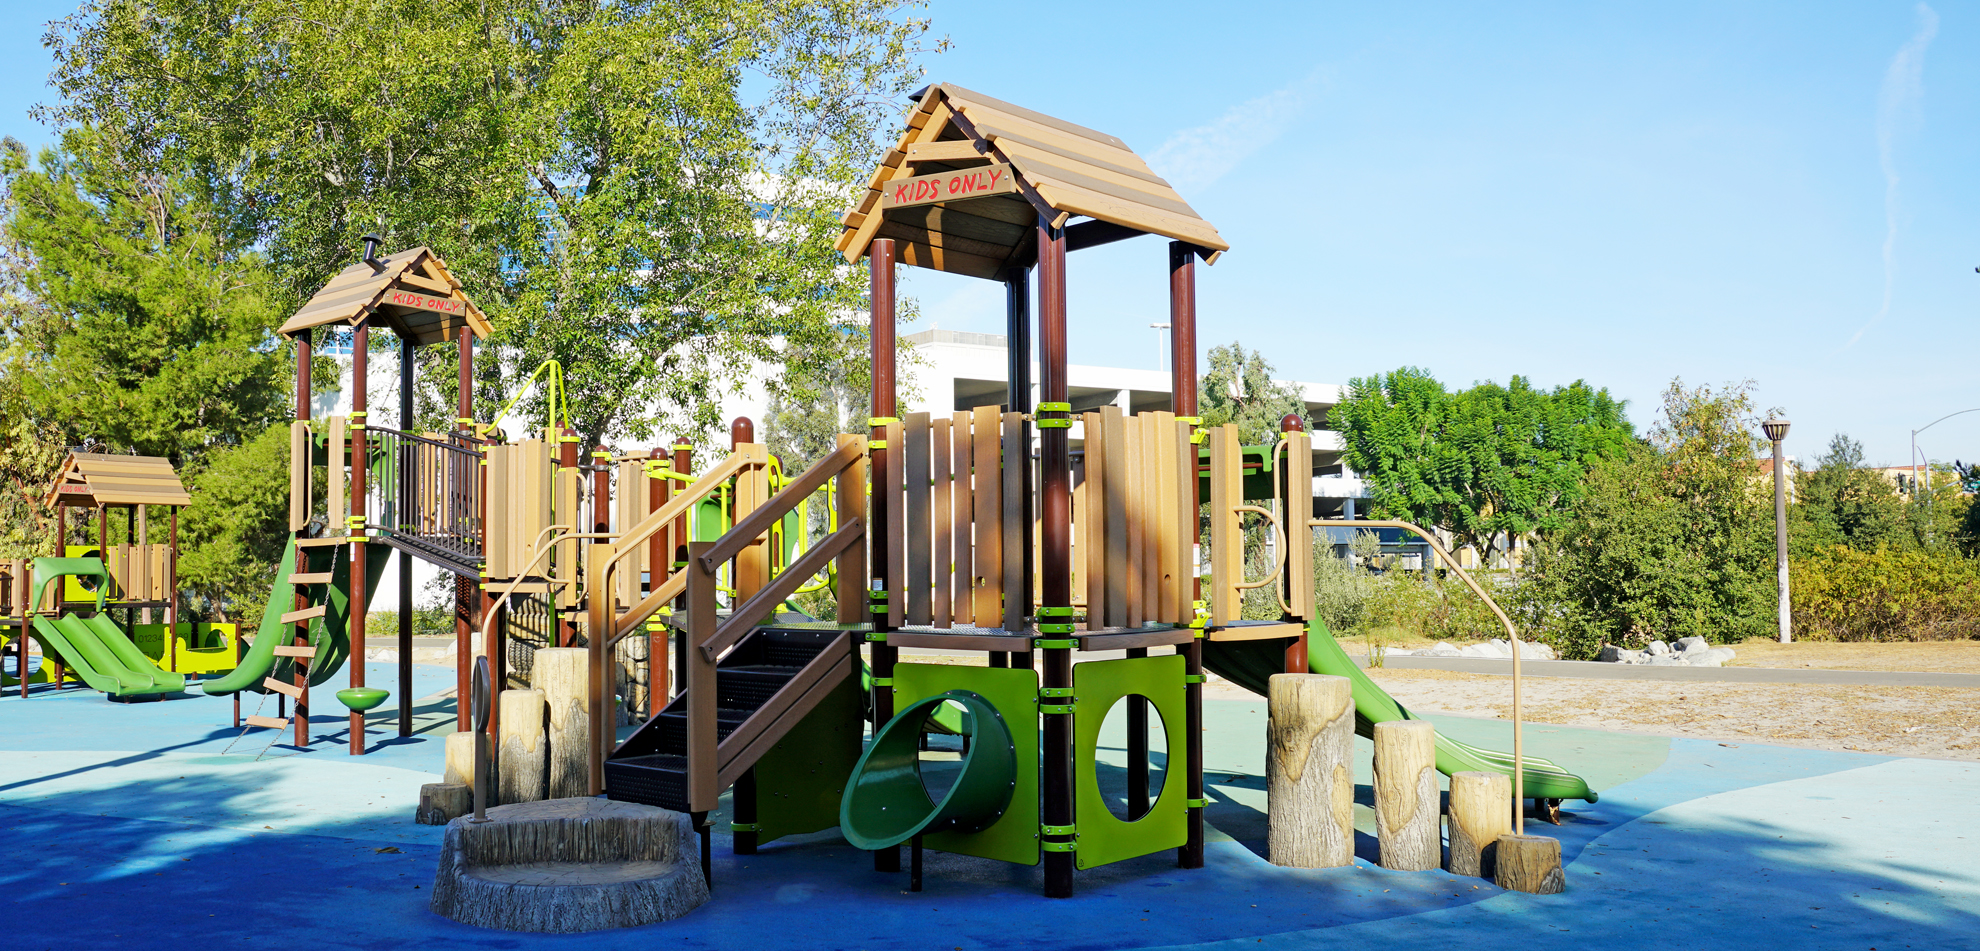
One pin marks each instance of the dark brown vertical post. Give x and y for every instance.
(1182, 335)
(880, 264)
(408, 489)
(466, 600)
(464, 382)
(305, 355)
(567, 458)
(1055, 534)
(1017, 328)
(1296, 651)
(657, 689)
(360, 358)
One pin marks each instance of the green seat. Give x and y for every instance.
(360, 699)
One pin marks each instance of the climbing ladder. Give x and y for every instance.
(312, 589)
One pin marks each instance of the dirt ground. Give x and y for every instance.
(1953, 657)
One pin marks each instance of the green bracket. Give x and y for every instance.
(1196, 803)
(1055, 691)
(877, 637)
(876, 444)
(872, 421)
(1044, 829)
(745, 827)
(1192, 678)
(1059, 846)
(1065, 611)
(1046, 643)
(1057, 708)
(883, 681)
(1060, 627)
(1054, 407)
(1053, 424)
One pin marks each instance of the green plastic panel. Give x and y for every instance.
(800, 780)
(1104, 837)
(1014, 692)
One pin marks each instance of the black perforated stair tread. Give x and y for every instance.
(650, 767)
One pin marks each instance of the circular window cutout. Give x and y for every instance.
(1130, 783)
(944, 739)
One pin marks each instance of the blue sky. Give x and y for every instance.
(1621, 193)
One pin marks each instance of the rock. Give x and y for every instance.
(1476, 650)
(1659, 648)
(1664, 660)
(1710, 657)
(1690, 643)
(569, 865)
(1638, 658)
(1610, 654)
(1532, 651)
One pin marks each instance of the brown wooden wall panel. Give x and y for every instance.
(1016, 457)
(988, 566)
(962, 533)
(942, 519)
(918, 495)
(896, 527)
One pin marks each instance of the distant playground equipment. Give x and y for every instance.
(67, 602)
(943, 531)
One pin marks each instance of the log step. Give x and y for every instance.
(286, 650)
(303, 616)
(310, 577)
(289, 690)
(273, 723)
(317, 542)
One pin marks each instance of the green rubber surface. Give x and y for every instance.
(1251, 664)
(886, 802)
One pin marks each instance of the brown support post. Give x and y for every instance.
(360, 417)
(657, 689)
(305, 350)
(1182, 335)
(1055, 536)
(567, 458)
(880, 263)
(601, 522)
(1296, 651)
(683, 464)
(1017, 326)
(408, 487)
(465, 599)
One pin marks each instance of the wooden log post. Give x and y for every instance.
(1530, 863)
(441, 803)
(1481, 812)
(564, 676)
(460, 758)
(1406, 799)
(1309, 785)
(525, 752)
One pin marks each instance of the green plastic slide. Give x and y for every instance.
(1250, 664)
(330, 634)
(99, 651)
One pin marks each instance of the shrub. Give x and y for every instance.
(1844, 594)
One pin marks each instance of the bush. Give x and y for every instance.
(1844, 594)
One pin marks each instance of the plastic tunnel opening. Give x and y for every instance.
(893, 796)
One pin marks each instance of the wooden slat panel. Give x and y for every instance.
(298, 475)
(896, 528)
(1299, 508)
(954, 262)
(987, 586)
(918, 493)
(292, 650)
(1070, 197)
(338, 507)
(962, 534)
(1169, 530)
(1253, 631)
(1081, 517)
(310, 577)
(947, 241)
(973, 102)
(1011, 143)
(941, 471)
(1016, 458)
(1226, 540)
(1041, 165)
(302, 615)
(1145, 502)
(290, 690)
(272, 723)
(1094, 535)
(851, 501)
(495, 560)
(1116, 539)
(958, 220)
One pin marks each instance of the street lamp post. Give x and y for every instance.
(1161, 345)
(1777, 430)
(1914, 452)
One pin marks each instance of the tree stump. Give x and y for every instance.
(1406, 799)
(564, 676)
(1309, 785)
(1530, 863)
(460, 759)
(524, 754)
(441, 803)
(1481, 811)
(569, 865)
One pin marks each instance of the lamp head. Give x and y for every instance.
(1776, 429)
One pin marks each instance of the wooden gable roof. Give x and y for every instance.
(94, 478)
(969, 180)
(412, 291)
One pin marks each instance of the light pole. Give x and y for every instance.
(1161, 345)
(1777, 430)
(1914, 450)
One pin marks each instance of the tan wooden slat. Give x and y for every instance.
(1119, 569)
(1044, 165)
(1006, 140)
(1147, 563)
(942, 259)
(497, 530)
(294, 650)
(338, 507)
(963, 602)
(958, 220)
(918, 517)
(1226, 540)
(303, 615)
(310, 577)
(1169, 526)
(954, 150)
(1094, 535)
(290, 690)
(851, 501)
(896, 528)
(1299, 508)
(320, 542)
(299, 471)
(272, 723)
(967, 99)
(946, 242)
(1068, 197)
(1016, 458)
(942, 518)
(987, 584)
(1014, 210)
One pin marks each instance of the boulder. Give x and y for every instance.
(1658, 649)
(1690, 643)
(1610, 654)
(1664, 660)
(1529, 650)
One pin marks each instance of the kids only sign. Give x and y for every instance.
(948, 186)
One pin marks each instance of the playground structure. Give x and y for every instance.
(961, 533)
(65, 602)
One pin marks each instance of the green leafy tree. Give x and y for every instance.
(645, 192)
(1673, 538)
(1239, 389)
(1487, 462)
(232, 536)
(1841, 503)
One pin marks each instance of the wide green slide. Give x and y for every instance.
(95, 648)
(1250, 664)
(329, 634)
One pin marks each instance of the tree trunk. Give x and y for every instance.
(460, 758)
(1530, 863)
(564, 676)
(524, 756)
(1309, 785)
(1481, 811)
(441, 803)
(1406, 799)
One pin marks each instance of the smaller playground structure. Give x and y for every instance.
(68, 603)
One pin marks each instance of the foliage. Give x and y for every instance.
(1481, 463)
(1239, 389)
(232, 536)
(819, 400)
(1844, 593)
(645, 192)
(1672, 539)
(1841, 503)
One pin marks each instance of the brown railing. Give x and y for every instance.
(424, 491)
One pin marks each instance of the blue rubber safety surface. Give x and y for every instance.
(132, 829)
